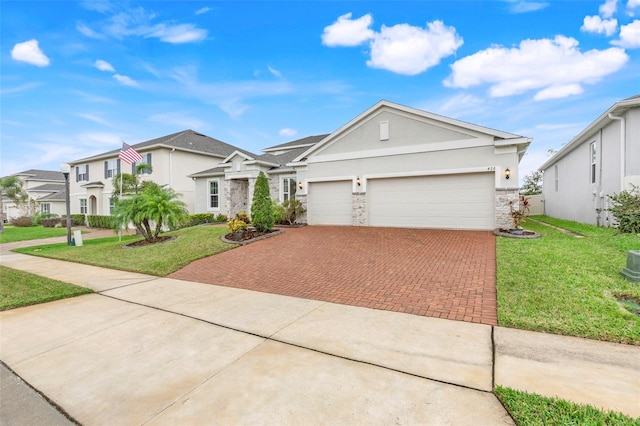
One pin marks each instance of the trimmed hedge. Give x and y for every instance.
(97, 221)
(22, 221)
(51, 222)
(76, 219)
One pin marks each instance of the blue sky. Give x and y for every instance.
(77, 78)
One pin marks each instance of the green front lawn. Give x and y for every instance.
(19, 288)
(535, 410)
(159, 259)
(15, 233)
(566, 285)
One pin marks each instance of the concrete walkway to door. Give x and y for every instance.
(429, 272)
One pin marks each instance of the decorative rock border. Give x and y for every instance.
(505, 233)
(262, 237)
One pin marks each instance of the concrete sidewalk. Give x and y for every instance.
(159, 350)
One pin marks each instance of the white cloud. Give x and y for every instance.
(203, 10)
(19, 89)
(551, 68)
(521, 6)
(409, 50)
(104, 66)
(287, 132)
(608, 8)
(632, 4)
(29, 52)
(177, 34)
(348, 32)
(274, 72)
(595, 24)
(125, 81)
(178, 119)
(94, 118)
(629, 36)
(88, 31)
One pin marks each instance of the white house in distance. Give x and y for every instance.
(45, 187)
(601, 160)
(171, 158)
(390, 166)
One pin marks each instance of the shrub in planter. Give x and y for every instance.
(22, 221)
(261, 208)
(293, 209)
(626, 210)
(243, 216)
(518, 214)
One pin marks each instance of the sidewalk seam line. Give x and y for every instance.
(269, 338)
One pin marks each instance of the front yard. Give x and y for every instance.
(567, 285)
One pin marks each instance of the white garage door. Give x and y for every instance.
(464, 201)
(329, 203)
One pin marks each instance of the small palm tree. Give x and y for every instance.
(149, 210)
(11, 188)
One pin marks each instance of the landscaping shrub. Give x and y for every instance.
(237, 225)
(76, 219)
(279, 213)
(199, 219)
(37, 219)
(243, 216)
(626, 210)
(51, 222)
(261, 208)
(97, 221)
(293, 210)
(22, 221)
(221, 218)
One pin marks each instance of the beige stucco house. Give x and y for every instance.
(171, 157)
(390, 166)
(601, 160)
(44, 187)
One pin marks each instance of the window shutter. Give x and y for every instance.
(133, 168)
(118, 164)
(77, 174)
(149, 162)
(87, 173)
(106, 169)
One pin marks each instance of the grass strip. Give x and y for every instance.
(159, 259)
(18, 288)
(16, 233)
(566, 285)
(534, 410)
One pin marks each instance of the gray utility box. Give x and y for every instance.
(632, 271)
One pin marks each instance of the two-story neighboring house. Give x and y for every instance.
(45, 187)
(601, 160)
(171, 158)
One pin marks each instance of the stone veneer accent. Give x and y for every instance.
(503, 212)
(303, 200)
(359, 209)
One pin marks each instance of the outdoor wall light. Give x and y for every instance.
(507, 173)
(358, 181)
(300, 184)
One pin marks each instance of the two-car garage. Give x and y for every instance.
(451, 201)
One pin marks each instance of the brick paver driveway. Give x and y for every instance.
(436, 273)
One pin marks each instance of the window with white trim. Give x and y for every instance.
(557, 178)
(288, 188)
(82, 173)
(83, 206)
(146, 159)
(45, 208)
(594, 155)
(213, 194)
(111, 168)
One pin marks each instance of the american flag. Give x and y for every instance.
(128, 154)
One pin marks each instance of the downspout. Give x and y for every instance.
(623, 144)
(171, 168)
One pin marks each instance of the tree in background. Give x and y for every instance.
(130, 183)
(532, 184)
(261, 206)
(10, 188)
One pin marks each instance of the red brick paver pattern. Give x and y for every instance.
(429, 272)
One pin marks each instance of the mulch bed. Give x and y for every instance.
(158, 240)
(526, 234)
